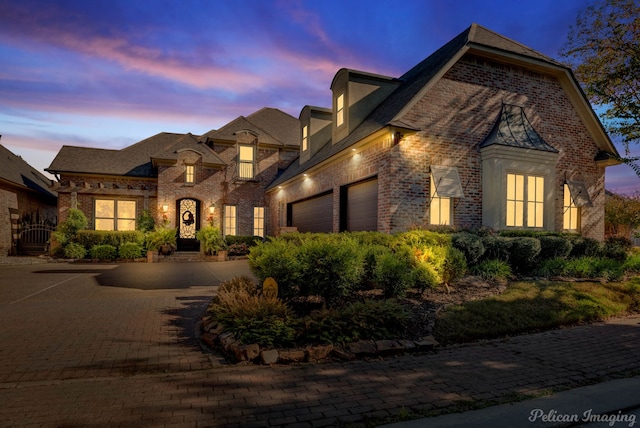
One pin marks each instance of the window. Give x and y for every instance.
(525, 203)
(245, 162)
(189, 174)
(439, 208)
(258, 221)
(230, 220)
(340, 110)
(571, 213)
(305, 137)
(115, 215)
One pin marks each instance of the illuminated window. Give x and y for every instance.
(340, 110)
(189, 174)
(439, 208)
(305, 137)
(230, 220)
(571, 212)
(258, 221)
(525, 203)
(245, 162)
(115, 215)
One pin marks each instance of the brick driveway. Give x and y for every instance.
(77, 351)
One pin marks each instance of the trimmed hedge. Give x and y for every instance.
(104, 252)
(115, 238)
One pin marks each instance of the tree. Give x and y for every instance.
(603, 48)
(621, 214)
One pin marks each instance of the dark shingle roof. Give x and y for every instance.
(189, 142)
(514, 129)
(390, 111)
(15, 170)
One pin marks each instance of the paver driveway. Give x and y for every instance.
(62, 321)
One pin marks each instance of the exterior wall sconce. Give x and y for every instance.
(165, 208)
(212, 209)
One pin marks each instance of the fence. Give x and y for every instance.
(34, 239)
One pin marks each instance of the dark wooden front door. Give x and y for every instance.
(188, 224)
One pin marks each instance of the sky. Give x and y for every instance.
(108, 74)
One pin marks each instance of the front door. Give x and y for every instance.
(188, 224)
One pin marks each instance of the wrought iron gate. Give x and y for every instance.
(34, 239)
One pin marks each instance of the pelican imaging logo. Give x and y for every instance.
(553, 416)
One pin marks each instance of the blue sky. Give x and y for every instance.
(110, 73)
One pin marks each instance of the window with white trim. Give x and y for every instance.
(189, 174)
(444, 187)
(246, 159)
(340, 110)
(230, 220)
(439, 208)
(571, 213)
(525, 201)
(258, 221)
(305, 137)
(113, 214)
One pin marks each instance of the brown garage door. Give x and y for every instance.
(361, 206)
(313, 215)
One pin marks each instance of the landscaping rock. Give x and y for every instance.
(343, 354)
(245, 352)
(292, 356)
(386, 347)
(318, 353)
(408, 345)
(270, 356)
(208, 339)
(427, 343)
(363, 347)
(226, 339)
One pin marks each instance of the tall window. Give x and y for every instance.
(571, 213)
(525, 202)
(230, 220)
(245, 162)
(115, 215)
(305, 137)
(439, 208)
(340, 110)
(258, 221)
(189, 174)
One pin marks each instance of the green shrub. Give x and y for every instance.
(470, 245)
(420, 238)
(74, 250)
(251, 317)
(159, 237)
(496, 247)
(248, 240)
(424, 276)
(617, 247)
(552, 267)
(368, 239)
(211, 240)
(496, 270)
(523, 253)
(393, 274)
(554, 246)
(146, 222)
(130, 250)
(582, 246)
(632, 264)
(609, 269)
(76, 220)
(370, 255)
(331, 267)
(368, 320)
(90, 238)
(278, 259)
(103, 252)
(455, 266)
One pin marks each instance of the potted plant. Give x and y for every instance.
(212, 242)
(162, 239)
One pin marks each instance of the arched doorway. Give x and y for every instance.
(188, 224)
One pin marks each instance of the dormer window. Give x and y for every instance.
(246, 159)
(189, 174)
(340, 110)
(305, 138)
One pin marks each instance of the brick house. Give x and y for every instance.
(25, 200)
(484, 132)
(183, 180)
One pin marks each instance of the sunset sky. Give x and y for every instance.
(110, 73)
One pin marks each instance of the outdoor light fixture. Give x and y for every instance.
(165, 207)
(212, 208)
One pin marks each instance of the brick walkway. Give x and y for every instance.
(152, 374)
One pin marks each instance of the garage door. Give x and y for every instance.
(362, 206)
(313, 215)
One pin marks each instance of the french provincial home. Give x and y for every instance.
(485, 132)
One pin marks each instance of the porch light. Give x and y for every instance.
(165, 208)
(212, 208)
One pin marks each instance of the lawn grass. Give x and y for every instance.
(532, 306)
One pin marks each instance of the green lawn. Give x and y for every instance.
(531, 306)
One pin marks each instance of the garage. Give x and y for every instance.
(313, 214)
(359, 206)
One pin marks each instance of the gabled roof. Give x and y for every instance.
(14, 170)
(188, 142)
(514, 129)
(418, 80)
(272, 126)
